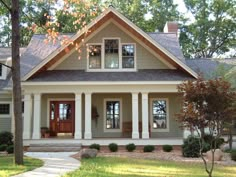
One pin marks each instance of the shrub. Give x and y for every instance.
(148, 148)
(10, 149)
(191, 147)
(167, 148)
(233, 154)
(3, 147)
(113, 147)
(6, 138)
(130, 147)
(210, 139)
(95, 146)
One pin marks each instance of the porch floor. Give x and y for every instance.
(107, 141)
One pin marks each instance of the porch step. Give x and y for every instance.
(55, 147)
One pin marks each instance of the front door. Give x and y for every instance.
(62, 117)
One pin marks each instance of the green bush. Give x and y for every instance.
(6, 138)
(130, 147)
(233, 154)
(10, 149)
(95, 146)
(148, 148)
(113, 147)
(210, 139)
(191, 147)
(3, 147)
(167, 148)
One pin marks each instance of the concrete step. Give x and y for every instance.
(54, 147)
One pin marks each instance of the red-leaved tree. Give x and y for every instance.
(207, 104)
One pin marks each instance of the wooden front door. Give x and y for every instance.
(62, 117)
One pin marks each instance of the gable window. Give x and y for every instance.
(128, 56)
(4, 109)
(111, 55)
(112, 114)
(159, 115)
(94, 56)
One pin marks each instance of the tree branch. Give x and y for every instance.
(5, 64)
(8, 8)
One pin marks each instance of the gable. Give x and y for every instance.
(144, 59)
(111, 13)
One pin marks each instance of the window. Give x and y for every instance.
(4, 109)
(64, 111)
(111, 53)
(94, 56)
(0, 70)
(159, 114)
(128, 56)
(113, 114)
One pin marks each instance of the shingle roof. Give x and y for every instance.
(81, 75)
(170, 42)
(207, 66)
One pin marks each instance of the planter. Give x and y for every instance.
(43, 131)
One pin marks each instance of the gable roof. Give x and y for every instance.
(111, 13)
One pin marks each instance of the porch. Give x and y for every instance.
(101, 117)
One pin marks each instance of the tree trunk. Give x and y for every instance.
(18, 145)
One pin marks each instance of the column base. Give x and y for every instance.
(78, 136)
(87, 135)
(36, 136)
(145, 135)
(135, 135)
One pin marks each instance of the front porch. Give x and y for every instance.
(120, 116)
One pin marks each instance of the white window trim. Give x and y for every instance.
(4, 73)
(167, 116)
(10, 111)
(104, 115)
(103, 69)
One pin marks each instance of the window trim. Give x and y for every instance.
(167, 129)
(104, 115)
(10, 111)
(120, 69)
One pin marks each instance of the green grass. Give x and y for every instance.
(127, 167)
(7, 167)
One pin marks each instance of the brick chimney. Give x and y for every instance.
(171, 27)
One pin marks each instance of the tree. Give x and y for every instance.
(207, 104)
(13, 9)
(213, 31)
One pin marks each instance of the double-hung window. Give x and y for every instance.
(4, 109)
(159, 115)
(111, 55)
(112, 114)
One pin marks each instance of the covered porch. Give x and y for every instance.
(102, 113)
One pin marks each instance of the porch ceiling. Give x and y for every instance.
(81, 75)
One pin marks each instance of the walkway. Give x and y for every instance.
(55, 164)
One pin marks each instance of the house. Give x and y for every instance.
(123, 89)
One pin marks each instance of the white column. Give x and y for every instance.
(145, 132)
(27, 116)
(135, 132)
(88, 105)
(78, 117)
(37, 116)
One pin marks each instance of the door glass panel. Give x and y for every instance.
(112, 114)
(52, 111)
(64, 111)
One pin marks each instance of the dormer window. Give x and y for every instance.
(3, 72)
(0, 70)
(111, 55)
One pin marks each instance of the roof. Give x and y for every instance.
(207, 66)
(150, 41)
(5, 52)
(81, 75)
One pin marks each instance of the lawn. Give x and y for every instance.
(127, 167)
(7, 168)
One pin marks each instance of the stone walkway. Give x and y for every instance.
(55, 164)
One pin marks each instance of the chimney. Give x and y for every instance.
(171, 27)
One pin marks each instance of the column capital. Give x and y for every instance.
(88, 93)
(144, 95)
